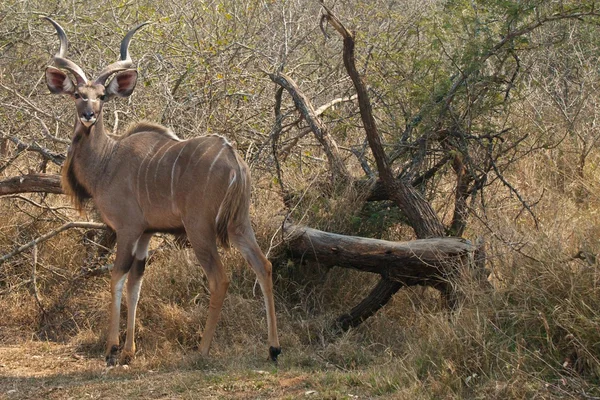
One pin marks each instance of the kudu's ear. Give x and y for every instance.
(122, 84)
(59, 82)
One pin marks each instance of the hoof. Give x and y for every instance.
(111, 357)
(126, 357)
(273, 353)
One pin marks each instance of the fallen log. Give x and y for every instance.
(427, 262)
(416, 262)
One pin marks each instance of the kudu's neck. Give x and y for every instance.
(91, 151)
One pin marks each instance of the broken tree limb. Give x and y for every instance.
(56, 158)
(44, 183)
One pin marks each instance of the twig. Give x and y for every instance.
(47, 133)
(333, 102)
(360, 156)
(13, 287)
(64, 227)
(36, 204)
(291, 143)
(36, 293)
(11, 160)
(31, 105)
(513, 190)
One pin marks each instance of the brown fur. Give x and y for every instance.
(236, 203)
(147, 126)
(71, 186)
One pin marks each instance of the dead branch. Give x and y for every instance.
(337, 167)
(62, 228)
(41, 183)
(418, 211)
(427, 262)
(56, 158)
(275, 135)
(333, 102)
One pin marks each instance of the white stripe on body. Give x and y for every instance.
(202, 156)
(173, 176)
(147, 167)
(138, 190)
(156, 172)
(210, 170)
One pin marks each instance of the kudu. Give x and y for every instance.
(149, 181)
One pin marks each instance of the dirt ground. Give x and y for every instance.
(42, 370)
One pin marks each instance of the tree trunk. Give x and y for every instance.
(418, 211)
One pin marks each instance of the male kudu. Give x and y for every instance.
(149, 181)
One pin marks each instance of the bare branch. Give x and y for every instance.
(43, 238)
(37, 183)
(338, 168)
(30, 104)
(56, 158)
(275, 134)
(47, 133)
(419, 212)
(333, 102)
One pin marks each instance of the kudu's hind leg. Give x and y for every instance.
(125, 245)
(205, 249)
(134, 285)
(244, 240)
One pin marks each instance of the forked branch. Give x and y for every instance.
(336, 164)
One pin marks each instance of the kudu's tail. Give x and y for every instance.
(236, 203)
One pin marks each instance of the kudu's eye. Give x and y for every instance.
(76, 95)
(103, 97)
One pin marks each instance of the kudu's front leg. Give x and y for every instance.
(123, 261)
(134, 285)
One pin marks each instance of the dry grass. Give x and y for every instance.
(534, 336)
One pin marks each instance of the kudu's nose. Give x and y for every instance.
(88, 115)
